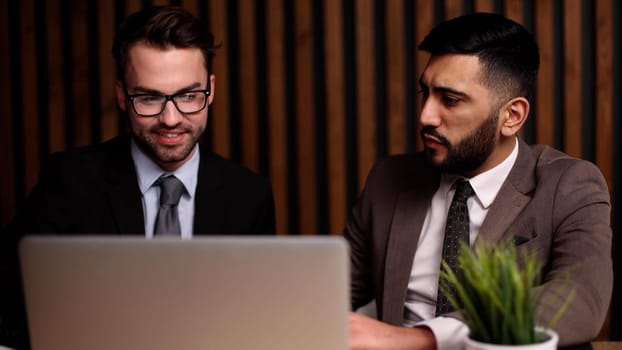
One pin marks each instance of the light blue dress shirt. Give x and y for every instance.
(148, 172)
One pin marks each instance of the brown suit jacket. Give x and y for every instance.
(551, 203)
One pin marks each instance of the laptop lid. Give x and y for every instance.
(116, 292)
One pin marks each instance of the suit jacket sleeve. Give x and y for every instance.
(580, 259)
(357, 235)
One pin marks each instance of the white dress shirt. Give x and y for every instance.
(149, 172)
(420, 303)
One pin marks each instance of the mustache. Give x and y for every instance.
(164, 128)
(431, 131)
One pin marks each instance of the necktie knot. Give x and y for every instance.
(171, 190)
(463, 191)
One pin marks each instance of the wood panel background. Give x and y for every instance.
(310, 93)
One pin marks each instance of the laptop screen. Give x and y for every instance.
(117, 292)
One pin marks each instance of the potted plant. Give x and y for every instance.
(494, 293)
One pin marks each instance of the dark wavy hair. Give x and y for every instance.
(507, 52)
(162, 27)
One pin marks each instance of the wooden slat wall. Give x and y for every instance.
(277, 109)
(572, 78)
(335, 114)
(9, 185)
(310, 93)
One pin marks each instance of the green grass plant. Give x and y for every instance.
(494, 293)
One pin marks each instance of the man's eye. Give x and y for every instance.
(450, 101)
(147, 99)
(186, 97)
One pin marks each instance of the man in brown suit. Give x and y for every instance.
(476, 89)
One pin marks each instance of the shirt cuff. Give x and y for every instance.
(449, 332)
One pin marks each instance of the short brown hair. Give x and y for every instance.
(162, 27)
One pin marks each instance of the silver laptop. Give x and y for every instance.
(109, 292)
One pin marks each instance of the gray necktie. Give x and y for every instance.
(167, 221)
(456, 231)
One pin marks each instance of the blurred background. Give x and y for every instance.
(309, 93)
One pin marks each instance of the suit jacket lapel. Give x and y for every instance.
(409, 215)
(123, 191)
(209, 215)
(125, 197)
(408, 218)
(511, 199)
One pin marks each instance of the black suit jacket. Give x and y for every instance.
(94, 190)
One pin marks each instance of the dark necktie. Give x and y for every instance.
(167, 221)
(456, 231)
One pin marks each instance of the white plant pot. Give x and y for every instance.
(548, 344)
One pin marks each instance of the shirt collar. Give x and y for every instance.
(487, 184)
(148, 172)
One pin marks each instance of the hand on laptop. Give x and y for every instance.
(369, 334)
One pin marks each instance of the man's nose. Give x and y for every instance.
(170, 116)
(429, 114)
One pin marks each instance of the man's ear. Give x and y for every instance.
(212, 82)
(513, 115)
(120, 92)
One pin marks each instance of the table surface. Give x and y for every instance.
(607, 345)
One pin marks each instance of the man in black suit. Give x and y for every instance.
(165, 86)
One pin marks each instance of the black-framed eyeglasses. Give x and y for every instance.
(186, 102)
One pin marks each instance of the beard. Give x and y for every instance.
(165, 154)
(467, 154)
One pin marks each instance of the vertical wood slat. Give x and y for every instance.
(7, 178)
(132, 6)
(544, 86)
(453, 8)
(305, 133)
(603, 117)
(396, 99)
(572, 78)
(604, 112)
(484, 6)
(335, 115)
(424, 13)
(365, 82)
(56, 77)
(276, 110)
(28, 107)
(604, 88)
(80, 67)
(514, 11)
(107, 72)
(160, 2)
(248, 81)
(192, 6)
(219, 109)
